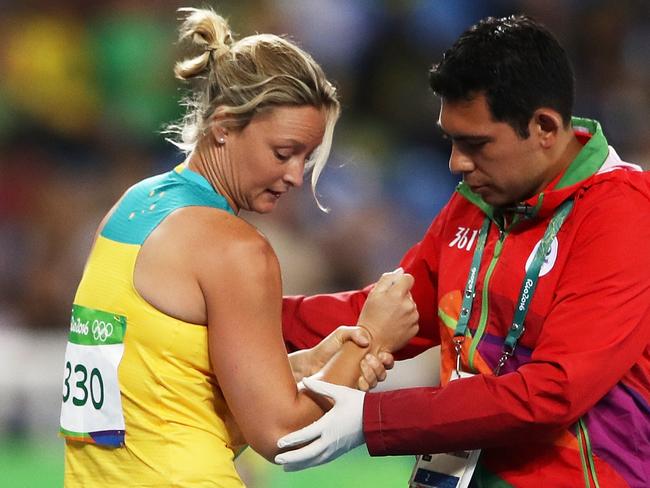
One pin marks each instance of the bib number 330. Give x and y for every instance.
(83, 385)
(91, 409)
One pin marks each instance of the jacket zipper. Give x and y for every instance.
(586, 455)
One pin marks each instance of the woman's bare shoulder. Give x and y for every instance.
(210, 233)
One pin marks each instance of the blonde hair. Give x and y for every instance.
(246, 77)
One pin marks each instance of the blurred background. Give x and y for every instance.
(85, 88)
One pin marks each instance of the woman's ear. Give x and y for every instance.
(546, 125)
(218, 128)
(219, 134)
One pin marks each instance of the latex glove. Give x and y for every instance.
(335, 433)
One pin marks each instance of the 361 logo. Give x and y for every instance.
(464, 238)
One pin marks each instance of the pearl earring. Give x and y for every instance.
(221, 140)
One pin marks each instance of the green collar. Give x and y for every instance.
(590, 158)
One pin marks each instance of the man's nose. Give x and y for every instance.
(460, 162)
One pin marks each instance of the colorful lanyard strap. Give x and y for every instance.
(525, 294)
(470, 291)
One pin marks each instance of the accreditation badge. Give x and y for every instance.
(447, 470)
(91, 410)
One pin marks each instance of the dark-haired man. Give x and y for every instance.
(533, 279)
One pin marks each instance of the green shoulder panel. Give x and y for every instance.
(147, 203)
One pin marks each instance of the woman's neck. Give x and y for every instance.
(212, 162)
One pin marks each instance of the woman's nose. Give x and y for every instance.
(295, 172)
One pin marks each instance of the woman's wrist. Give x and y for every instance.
(376, 344)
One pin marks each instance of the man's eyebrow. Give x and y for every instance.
(464, 137)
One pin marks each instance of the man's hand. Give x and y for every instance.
(373, 369)
(335, 433)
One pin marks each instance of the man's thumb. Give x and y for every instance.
(321, 387)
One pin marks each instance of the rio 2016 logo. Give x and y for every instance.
(101, 330)
(78, 326)
(549, 259)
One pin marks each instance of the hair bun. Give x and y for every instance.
(205, 29)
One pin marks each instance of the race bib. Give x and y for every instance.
(447, 470)
(92, 408)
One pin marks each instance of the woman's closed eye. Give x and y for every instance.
(282, 154)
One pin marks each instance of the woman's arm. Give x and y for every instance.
(239, 276)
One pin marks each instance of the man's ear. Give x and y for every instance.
(546, 124)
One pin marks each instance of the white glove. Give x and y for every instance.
(335, 433)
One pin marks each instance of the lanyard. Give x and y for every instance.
(470, 292)
(525, 294)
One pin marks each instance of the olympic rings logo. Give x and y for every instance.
(102, 330)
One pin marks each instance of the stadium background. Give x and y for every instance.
(86, 86)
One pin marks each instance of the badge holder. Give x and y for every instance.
(447, 470)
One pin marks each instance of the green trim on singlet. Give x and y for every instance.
(147, 203)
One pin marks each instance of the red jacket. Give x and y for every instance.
(577, 390)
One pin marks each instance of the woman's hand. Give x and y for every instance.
(373, 368)
(390, 314)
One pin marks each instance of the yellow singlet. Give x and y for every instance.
(174, 433)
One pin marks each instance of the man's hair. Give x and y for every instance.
(515, 62)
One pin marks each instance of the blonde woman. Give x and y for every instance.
(175, 344)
